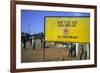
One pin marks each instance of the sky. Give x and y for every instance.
(32, 21)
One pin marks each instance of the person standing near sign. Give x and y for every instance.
(33, 42)
(81, 51)
(30, 41)
(24, 41)
(42, 43)
(70, 50)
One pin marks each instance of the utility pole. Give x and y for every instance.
(28, 29)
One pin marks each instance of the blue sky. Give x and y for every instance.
(34, 19)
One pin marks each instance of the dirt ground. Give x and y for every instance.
(50, 53)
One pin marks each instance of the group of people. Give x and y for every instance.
(32, 41)
(81, 51)
(72, 50)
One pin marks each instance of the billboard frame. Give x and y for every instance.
(13, 35)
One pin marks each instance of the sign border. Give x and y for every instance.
(62, 17)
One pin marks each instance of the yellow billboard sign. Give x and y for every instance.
(67, 29)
